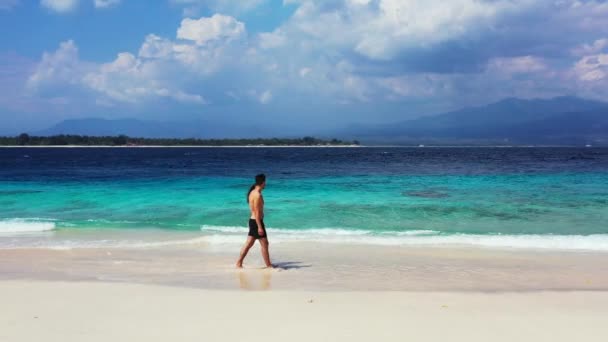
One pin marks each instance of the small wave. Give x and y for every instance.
(148, 244)
(596, 242)
(286, 231)
(417, 232)
(24, 226)
(70, 244)
(236, 235)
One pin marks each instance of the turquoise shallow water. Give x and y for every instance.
(523, 204)
(337, 198)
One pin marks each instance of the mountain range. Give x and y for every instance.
(562, 120)
(558, 121)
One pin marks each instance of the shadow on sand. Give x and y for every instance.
(290, 265)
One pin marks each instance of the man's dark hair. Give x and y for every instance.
(259, 180)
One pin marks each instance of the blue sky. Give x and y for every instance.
(292, 66)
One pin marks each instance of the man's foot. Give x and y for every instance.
(271, 266)
(239, 264)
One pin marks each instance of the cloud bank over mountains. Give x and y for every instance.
(337, 53)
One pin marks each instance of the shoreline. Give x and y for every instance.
(181, 146)
(307, 146)
(306, 266)
(44, 233)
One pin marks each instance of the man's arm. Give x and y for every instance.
(257, 212)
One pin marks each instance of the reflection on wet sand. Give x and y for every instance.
(259, 280)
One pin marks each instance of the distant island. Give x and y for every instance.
(25, 139)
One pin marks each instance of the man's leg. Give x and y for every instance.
(250, 241)
(265, 254)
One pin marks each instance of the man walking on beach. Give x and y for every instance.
(257, 229)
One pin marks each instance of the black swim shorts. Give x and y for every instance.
(253, 229)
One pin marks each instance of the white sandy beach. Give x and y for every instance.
(321, 292)
(76, 311)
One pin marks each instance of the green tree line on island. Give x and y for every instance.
(123, 140)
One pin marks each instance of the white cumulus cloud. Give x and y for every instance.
(61, 66)
(162, 68)
(129, 79)
(380, 30)
(587, 49)
(517, 65)
(592, 68)
(212, 28)
(156, 47)
(270, 40)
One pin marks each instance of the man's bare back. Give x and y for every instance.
(256, 204)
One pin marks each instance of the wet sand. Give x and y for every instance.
(317, 267)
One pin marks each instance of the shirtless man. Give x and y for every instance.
(257, 229)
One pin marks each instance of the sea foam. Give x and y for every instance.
(24, 232)
(596, 242)
(25, 226)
